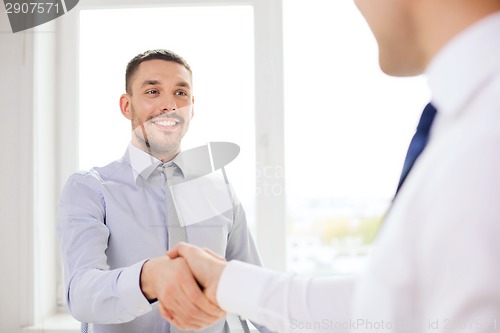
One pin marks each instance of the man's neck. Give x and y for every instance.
(440, 21)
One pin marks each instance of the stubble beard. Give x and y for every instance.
(150, 142)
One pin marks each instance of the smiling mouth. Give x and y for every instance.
(166, 122)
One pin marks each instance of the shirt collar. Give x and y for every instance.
(143, 164)
(461, 68)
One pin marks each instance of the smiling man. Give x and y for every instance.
(116, 222)
(159, 104)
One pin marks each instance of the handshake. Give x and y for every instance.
(185, 284)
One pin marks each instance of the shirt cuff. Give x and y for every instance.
(240, 287)
(129, 290)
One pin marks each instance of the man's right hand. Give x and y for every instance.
(180, 298)
(207, 267)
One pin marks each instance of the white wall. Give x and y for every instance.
(16, 177)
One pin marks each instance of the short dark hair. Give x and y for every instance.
(151, 55)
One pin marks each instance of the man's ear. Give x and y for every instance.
(126, 106)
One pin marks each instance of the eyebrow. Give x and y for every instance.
(150, 83)
(157, 82)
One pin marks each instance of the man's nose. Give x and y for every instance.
(168, 104)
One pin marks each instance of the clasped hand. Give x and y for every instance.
(185, 284)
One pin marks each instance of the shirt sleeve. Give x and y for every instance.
(94, 293)
(241, 245)
(286, 302)
(263, 296)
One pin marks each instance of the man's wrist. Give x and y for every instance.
(147, 280)
(218, 271)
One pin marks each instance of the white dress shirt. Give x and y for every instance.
(436, 263)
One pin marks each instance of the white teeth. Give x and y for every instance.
(166, 122)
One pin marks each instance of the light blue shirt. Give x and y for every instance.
(112, 219)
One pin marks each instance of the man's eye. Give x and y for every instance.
(152, 92)
(181, 93)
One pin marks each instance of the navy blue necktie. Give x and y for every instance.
(418, 141)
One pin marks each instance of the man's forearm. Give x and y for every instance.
(107, 296)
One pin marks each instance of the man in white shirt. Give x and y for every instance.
(436, 261)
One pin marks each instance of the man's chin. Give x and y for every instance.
(163, 149)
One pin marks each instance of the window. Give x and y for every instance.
(347, 125)
(267, 148)
(221, 56)
(347, 129)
